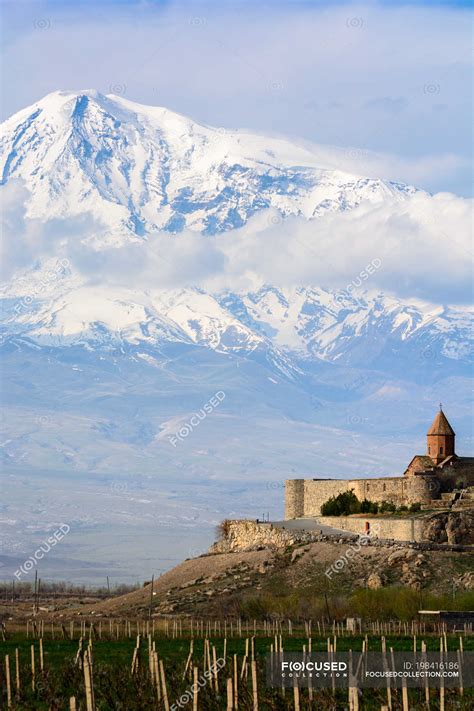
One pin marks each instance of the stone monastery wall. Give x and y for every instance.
(304, 497)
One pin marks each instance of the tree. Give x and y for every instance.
(387, 507)
(341, 505)
(369, 507)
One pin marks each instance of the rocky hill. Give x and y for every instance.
(268, 572)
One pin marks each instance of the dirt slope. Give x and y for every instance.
(218, 584)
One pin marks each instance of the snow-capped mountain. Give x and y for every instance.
(297, 326)
(103, 370)
(137, 169)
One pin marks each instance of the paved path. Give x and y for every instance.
(310, 524)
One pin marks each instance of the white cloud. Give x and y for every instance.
(423, 244)
(25, 242)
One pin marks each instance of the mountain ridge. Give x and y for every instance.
(138, 169)
(117, 362)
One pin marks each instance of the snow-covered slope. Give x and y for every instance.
(297, 326)
(103, 372)
(138, 168)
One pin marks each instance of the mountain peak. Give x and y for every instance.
(137, 169)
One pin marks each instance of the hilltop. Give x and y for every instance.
(287, 576)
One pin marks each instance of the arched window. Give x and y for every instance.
(429, 449)
(441, 450)
(385, 487)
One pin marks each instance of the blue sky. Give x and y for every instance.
(390, 80)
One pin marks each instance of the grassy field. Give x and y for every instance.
(117, 687)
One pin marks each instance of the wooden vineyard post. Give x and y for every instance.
(353, 698)
(385, 666)
(163, 686)
(156, 673)
(404, 696)
(72, 703)
(236, 683)
(134, 667)
(310, 680)
(280, 657)
(88, 681)
(195, 688)
(215, 669)
(32, 667)
(41, 655)
(427, 688)
(208, 648)
(229, 694)
(189, 659)
(296, 693)
(7, 675)
(243, 671)
(444, 648)
(17, 670)
(461, 688)
(254, 686)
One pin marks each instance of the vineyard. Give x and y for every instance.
(165, 665)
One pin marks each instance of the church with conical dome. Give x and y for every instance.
(440, 449)
(428, 479)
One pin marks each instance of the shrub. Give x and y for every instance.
(369, 507)
(341, 505)
(222, 529)
(387, 507)
(414, 507)
(403, 603)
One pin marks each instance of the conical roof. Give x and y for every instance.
(440, 425)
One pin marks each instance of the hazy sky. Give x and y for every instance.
(385, 77)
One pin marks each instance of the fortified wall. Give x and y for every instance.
(438, 529)
(304, 497)
(426, 476)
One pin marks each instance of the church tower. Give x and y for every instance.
(440, 438)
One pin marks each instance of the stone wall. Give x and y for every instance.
(294, 498)
(245, 534)
(398, 529)
(447, 530)
(304, 497)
